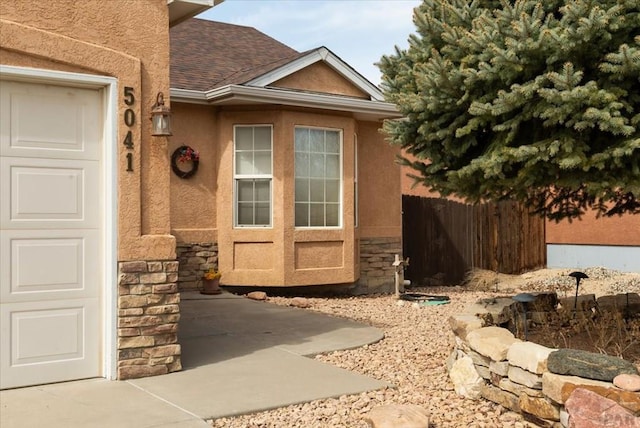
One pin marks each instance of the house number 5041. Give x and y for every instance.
(129, 120)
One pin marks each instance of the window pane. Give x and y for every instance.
(262, 214)
(244, 138)
(302, 189)
(317, 215)
(263, 191)
(333, 142)
(317, 165)
(317, 140)
(262, 138)
(318, 177)
(332, 190)
(262, 162)
(302, 215)
(302, 164)
(317, 191)
(245, 214)
(333, 215)
(333, 166)
(302, 139)
(244, 163)
(245, 191)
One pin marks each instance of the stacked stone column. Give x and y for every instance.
(148, 315)
(376, 270)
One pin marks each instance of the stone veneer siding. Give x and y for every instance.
(377, 273)
(195, 259)
(148, 315)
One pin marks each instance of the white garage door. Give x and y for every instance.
(51, 232)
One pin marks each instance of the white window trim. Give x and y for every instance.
(356, 202)
(341, 188)
(236, 177)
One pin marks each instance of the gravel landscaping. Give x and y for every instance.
(411, 356)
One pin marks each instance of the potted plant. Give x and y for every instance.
(211, 282)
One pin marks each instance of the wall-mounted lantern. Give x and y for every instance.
(160, 118)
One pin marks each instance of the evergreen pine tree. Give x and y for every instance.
(536, 101)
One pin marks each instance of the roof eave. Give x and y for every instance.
(237, 95)
(181, 10)
(316, 55)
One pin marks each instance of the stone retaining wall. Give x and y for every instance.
(551, 388)
(195, 259)
(148, 315)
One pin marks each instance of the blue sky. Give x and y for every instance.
(358, 31)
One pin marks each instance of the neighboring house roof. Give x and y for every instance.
(218, 63)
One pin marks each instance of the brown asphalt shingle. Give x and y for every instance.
(207, 54)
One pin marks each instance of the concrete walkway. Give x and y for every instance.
(239, 356)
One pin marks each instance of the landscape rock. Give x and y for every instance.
(540, 407)
(586, 302)
(501, 368)
(629, 302)
(518, 389)
(529, 356)
(587, 409)
(492, 342)
(300, 302)
(493, 311)
(628, 382)
(398, 416)
(559, 388)
(588, 364)
(462, 324)
(466, 380)
(524, 377)
(257, 295)
(498, 396)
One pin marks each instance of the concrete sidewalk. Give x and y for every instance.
(239, 356)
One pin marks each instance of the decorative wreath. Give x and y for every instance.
(185, 154)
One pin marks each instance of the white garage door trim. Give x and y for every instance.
(110, 175)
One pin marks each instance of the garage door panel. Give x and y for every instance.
(50, 193)
(49, 342)
(55, 265)
(68, 126)
(45, 265)
(51, 233)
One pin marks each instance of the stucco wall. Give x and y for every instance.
(379, 177)
(319, 77)
(128, 40)
(202, 206)
(193, 200)
(623, 230)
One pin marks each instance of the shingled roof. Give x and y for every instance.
(207, 55)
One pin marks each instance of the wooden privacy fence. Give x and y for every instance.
(445, 239)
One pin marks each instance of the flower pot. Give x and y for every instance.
(211, 286)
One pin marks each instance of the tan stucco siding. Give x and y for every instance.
(319, 77)
(126, 40)
(379, 184)
(624, 230)
(203, 206)
(193, 200)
